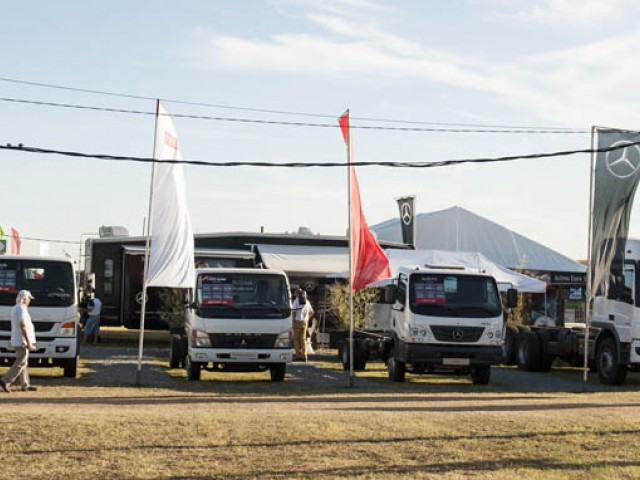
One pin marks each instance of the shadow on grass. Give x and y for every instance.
(332, 442)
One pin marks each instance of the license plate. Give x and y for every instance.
(455, 361)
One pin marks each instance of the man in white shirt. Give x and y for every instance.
(23, 340)
(302, 312)
(92, 328)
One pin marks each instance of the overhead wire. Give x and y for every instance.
(443, 163)
(288, 112)
(290, 123)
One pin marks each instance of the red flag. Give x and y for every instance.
(15, 242)
(368, 259)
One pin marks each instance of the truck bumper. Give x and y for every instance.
(60, 347)
(449, 355)
(219, 355)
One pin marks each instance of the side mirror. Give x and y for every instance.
(389, 294)
(512, 298)
(192, 305)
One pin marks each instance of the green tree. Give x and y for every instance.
(339, 303)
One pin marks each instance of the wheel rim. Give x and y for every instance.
(522, 353)
(606, 362)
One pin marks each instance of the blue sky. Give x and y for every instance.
(550, 64)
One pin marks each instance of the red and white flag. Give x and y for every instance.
(15, 242)
(171, 262)
(369, 263)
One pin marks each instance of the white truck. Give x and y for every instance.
(239, 320)
(54, 310)
(435, 319)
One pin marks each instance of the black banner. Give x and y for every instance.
(407, 219)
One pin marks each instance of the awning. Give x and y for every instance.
(200, 252)
(299, 260)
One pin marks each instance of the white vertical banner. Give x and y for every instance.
(171, 260)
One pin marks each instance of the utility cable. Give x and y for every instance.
(293, 124)
(443, 163)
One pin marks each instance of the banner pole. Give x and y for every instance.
(146, 255)
(589, 295)
(351, 367)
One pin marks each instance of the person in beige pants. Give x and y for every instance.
(23, 340)
(302, 312)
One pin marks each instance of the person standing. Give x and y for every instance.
(302, 312)
(23, 339)
(92, 327)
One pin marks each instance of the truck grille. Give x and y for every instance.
(445, 333)
(5, 326)
(242, 340)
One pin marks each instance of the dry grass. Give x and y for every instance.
(255, 429)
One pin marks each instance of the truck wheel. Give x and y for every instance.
(278, 371)
(176, 353)
(193, 370)
(359, 356)
(70, 367)
(610, 371)
(510, 345)
(481, 375)
(528, 355)
(396, 368)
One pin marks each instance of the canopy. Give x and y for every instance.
(300, 260)
(504, 277)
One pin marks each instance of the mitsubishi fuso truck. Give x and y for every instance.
(239, 320)
(53, 310)
(435, 319)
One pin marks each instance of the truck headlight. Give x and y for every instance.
(68, 329)
(200, 339)
(283, 340)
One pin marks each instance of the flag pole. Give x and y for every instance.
(146, 254)
(589, 296)
(351, 368)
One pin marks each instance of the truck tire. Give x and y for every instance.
(70, 368)
(359, 356)
(528, 355)
(278, 371)
(546, 360)
(193, 370)
(176, 352)
(510, 345)
(395, 367)
(610, 370)
(481, 375)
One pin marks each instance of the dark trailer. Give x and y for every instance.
(114, 268)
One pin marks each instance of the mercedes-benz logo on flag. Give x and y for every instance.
(458, 334)
(405, 208)
(624, 162)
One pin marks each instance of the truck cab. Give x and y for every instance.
(445, 318)
(239, 320)
(615, 319)
(54, 310)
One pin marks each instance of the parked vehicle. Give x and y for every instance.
(239, 320)
(434, 319)
(54, 310)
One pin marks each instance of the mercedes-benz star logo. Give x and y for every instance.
(139, 297)
(406, 213)
(458, 334)
(624, 162)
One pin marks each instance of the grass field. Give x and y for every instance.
(241, 426)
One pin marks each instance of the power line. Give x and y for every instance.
(292, 124)
(279, 112)
(443, 163)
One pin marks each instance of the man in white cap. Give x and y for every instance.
(23, 339)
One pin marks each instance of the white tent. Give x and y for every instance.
(504, 277)
(457, 229)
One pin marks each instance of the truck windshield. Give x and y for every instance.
(243, 295)
(446, 295)
(50, 282)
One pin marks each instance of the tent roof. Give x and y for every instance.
(305, 260)
(504, 277)
(457, 229)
